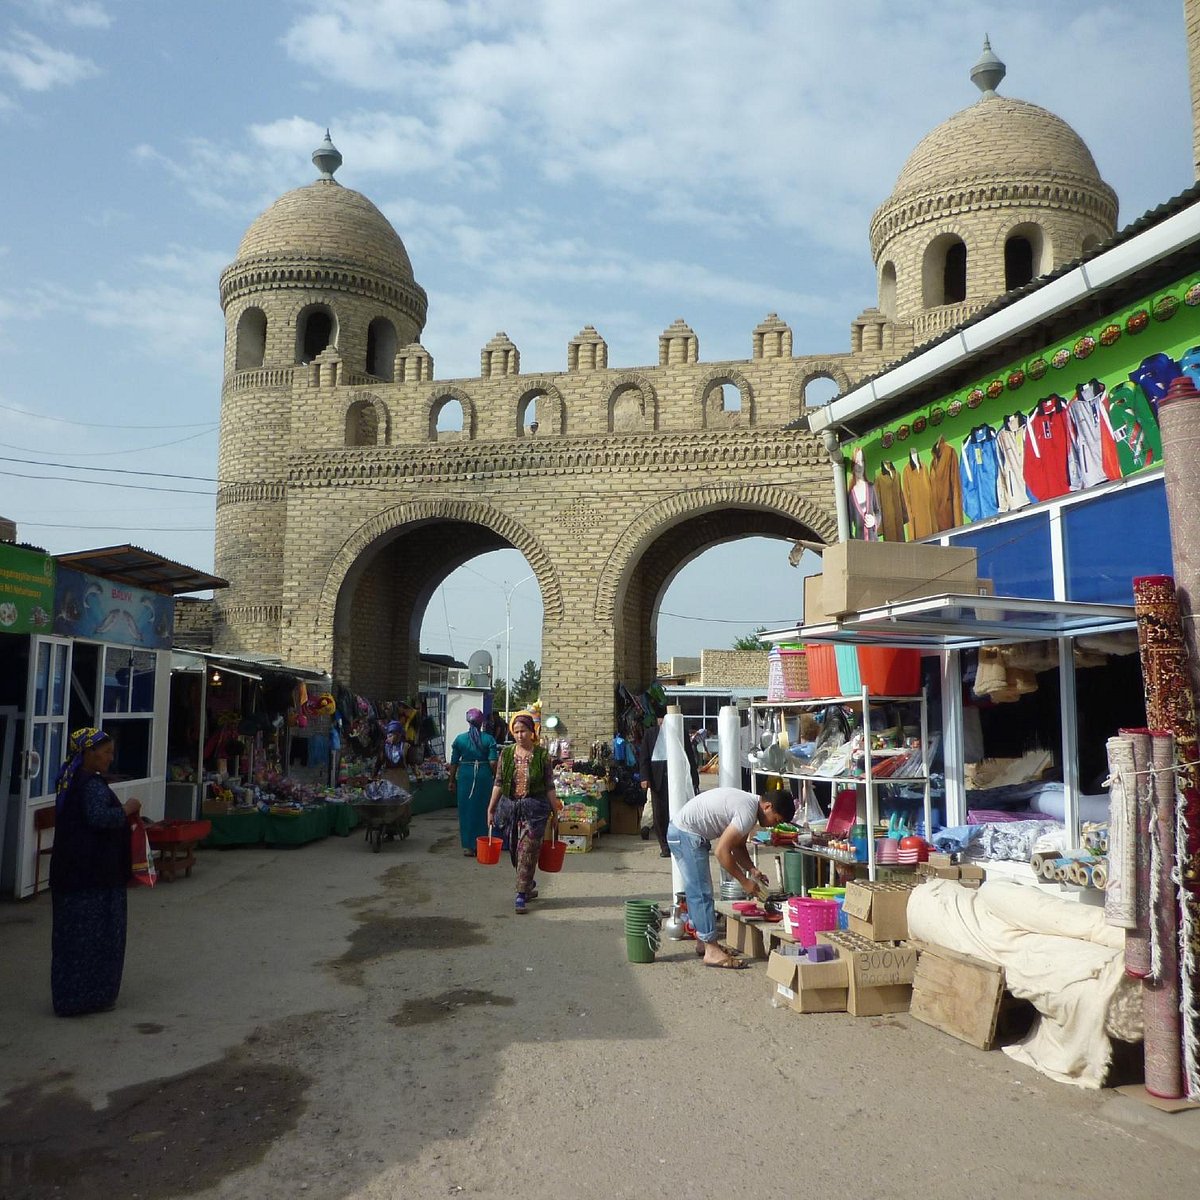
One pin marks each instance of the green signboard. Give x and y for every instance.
(26, 591)
(1069, 416)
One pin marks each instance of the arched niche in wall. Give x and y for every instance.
(251, 337)
(887, 290)
(541, 412)
(632, 406)
(725, 399)
(316, 330)
(944, 271)
(367, 422)
(381, 349)
(451, 416)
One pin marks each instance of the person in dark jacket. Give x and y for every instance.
(653, 772)
(90, 868)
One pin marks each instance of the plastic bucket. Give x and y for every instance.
(551, 856)
(822, 671)
(888, 671)
(638, 948)
(848, 671)
(487, 850)
(793, 872)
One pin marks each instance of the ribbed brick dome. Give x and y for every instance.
(328, 222)
(997, 135)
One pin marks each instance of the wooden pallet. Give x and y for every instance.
(958, 994)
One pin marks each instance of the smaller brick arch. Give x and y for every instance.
(551, 409)
(818, 369)
(438, 400)
(367, 421)
(709, 401)
(938, 289)
(620, 411)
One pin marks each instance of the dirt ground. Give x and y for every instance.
(328, 1022)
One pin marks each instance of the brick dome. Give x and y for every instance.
(331, 223)
(998, 136)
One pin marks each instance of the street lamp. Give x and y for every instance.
(508, 595)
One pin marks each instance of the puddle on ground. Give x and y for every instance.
(380, 935)
(149, 1027)
(437, 1008)
(444, 843)
(168, 1137)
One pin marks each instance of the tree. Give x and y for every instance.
(750, 641)
(499, 695)
(528, 686)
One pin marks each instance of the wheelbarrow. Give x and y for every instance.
(384, 819)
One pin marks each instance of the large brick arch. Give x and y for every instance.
(646, 527)
(470, 512)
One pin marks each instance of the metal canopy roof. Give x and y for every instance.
(250, 666)
(141, 568)
(963, 622)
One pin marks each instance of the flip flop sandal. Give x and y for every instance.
(700, 951)
(728, 964)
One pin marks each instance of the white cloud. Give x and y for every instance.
(80, 14)
(37, 67)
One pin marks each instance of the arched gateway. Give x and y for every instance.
(346, 496)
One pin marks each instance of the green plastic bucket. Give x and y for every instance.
(638, 948)
(793, 872)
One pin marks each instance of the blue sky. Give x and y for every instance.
(548, 163)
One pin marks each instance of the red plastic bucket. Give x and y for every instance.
(887, 671)
(551, 856)
(487, 850)
(822, 671)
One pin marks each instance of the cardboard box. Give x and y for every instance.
(972, 876)
(809, 987)
(937, 859)
(881, 973)
(586, 828)
(624, 818)
(746, 937)
(945, 872)
(857, 575)
(814, 609)
(577, 843)
(877, 911)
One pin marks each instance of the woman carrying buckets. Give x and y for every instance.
(523, 797)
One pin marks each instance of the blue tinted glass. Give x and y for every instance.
(1014, 555)
(1109, 541)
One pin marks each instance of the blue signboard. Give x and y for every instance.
(86, 606)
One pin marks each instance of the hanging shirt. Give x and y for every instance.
(980, 474)
(918, 500)
(1135, 429)
(1154, 375)
(1047, 449)
(1093, 452)
(946, 486)
(890, 493)
(1011, 493)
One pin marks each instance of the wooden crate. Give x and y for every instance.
(958, 994)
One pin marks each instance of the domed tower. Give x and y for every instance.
(321, 282)
(1000, 193)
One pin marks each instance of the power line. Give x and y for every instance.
(191, 437)
(96, 424)
(121, 528)
(141, 487)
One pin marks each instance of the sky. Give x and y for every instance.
(548, 163)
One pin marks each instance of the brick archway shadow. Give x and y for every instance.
(469, 512)
(654, 520)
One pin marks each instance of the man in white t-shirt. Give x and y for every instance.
(722, 818)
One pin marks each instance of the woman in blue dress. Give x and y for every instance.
(90, 868)
(471, 757)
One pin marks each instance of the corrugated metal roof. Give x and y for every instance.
(141, 568)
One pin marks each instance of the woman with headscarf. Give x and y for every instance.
(393, 755)
(90, 868)
(471, 756)
(523, 797)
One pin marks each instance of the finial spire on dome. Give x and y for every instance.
(988, 71)
(326, 158)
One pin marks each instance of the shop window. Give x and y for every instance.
(131, 747)
(381, 349)
(1109, 541)
(128, 709)
(887, 290)
(251, 339)
(314, 332)
(1014, 555)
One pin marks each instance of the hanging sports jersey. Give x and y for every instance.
(1011, 492)
(1135, 429)
(1047, 449)
(980, 474)
(1154, 376)
(1093, 457)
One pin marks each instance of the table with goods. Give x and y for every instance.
(279, 811)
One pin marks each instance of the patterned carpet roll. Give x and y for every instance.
(1137, 939)
(1120, 894)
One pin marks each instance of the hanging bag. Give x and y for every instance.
(144, 874)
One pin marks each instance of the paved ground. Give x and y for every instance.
(333, 1023)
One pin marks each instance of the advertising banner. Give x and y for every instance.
(1074, 414)
(26, 590)
(90, 607)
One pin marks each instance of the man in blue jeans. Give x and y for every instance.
(725, 817)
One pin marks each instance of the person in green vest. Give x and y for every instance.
(522, 800)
